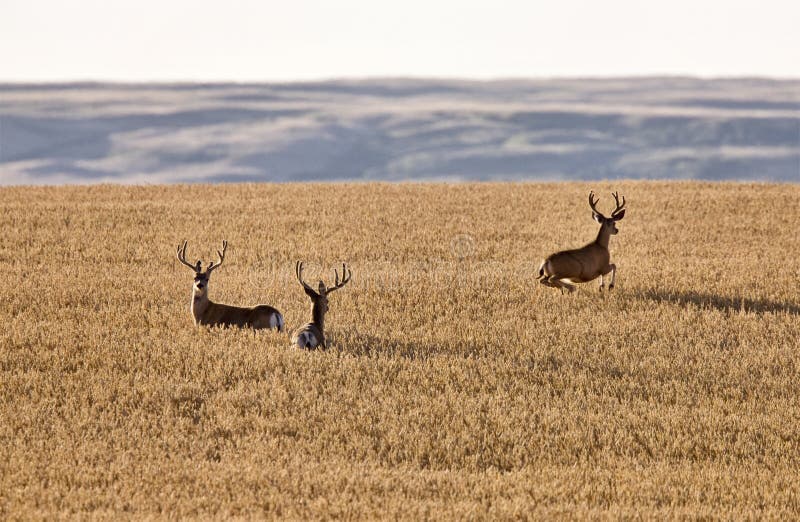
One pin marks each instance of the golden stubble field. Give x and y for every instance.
(455, 385)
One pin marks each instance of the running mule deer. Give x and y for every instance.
(587, 263)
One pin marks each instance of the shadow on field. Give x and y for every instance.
(366, 345)
(722, 303)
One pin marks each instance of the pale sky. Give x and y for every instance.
(247, 40)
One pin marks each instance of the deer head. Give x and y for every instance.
(200, 286)
(607, 224)
(320, 296)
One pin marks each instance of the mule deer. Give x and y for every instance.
(587, 263)
(311, 335)
(207, 312)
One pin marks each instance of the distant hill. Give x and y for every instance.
(393, 130)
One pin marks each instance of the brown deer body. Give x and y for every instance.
(585, 264)
(312, 335)
(209, 313)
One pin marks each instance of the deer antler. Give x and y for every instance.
(182, 257)
(212, 266)
(593, 201)
(346, 275)
(298, 270)
(619, 206)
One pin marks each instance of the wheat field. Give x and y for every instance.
(454, 386)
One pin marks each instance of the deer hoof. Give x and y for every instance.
(611, 287)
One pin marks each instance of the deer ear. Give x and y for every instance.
(620, 215)
(597, 217)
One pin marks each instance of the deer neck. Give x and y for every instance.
(603, 236)
(199, 305)
(318, 316)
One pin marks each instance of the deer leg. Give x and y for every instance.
(546, 282)
(549, 281)
(613, 269)
(555, 282)
(601, 282)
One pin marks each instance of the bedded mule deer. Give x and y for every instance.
(311, 335)
(207, 312)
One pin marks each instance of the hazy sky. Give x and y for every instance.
(249, 40)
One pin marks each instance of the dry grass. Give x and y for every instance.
(454, 387)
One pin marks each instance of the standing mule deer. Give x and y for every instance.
(311, 335)
(585, 264)
(207, 312)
